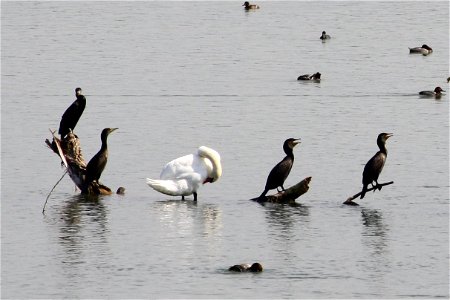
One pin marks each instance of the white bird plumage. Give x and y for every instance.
(183, 176)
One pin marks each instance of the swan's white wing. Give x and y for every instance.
(183, 186)
(170, 187)
(178, 166)
(185, 165)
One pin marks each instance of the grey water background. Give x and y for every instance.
(176, 75)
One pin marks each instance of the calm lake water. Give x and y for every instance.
(176, 75)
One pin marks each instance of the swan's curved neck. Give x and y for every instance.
(214, 157)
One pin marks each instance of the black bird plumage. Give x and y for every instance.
(374, 166)
(72, 114)
(97, 163)
(281, 170)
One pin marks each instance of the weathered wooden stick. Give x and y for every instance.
(289, 195)
(349, 201)
(48, 196)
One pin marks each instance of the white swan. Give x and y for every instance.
(184, 176)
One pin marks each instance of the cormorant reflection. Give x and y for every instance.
(284, 217)
(374, 230)
(83, 223)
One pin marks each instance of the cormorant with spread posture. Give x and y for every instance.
(72, 114)
(281, 171)
(97, 164)
(375, 165)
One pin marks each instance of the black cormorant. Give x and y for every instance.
(97, 164)
(72, 114)
(374, 166)
(281, 171)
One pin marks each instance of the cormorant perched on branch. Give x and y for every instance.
(72, 114)
(97, 164)
(281, 171)
(375, 165)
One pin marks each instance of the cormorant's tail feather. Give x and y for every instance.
(263, 194)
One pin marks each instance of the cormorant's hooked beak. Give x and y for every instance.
(296, 142)
(113, 129)
(388, 135)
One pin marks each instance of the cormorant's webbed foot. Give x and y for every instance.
(377, 186)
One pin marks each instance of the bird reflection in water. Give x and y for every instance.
(285, 217)
(374, 230)
(186, 216)
(83, 218)
(80, 226)
(376, 242)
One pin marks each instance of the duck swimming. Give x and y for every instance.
(183, 176)
(436, 93)
(248, 6)
(315, 77)
(255, 268)
(325, 36)
(425, 50)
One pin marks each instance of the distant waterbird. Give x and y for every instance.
(437, 93)
(183, 176)
(424, 49)
(248, 6)
(374, 166)
(72, 114)
(280, 172)
(314, 77)
(325, 36)
(254, 268)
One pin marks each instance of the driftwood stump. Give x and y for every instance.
(287, 196)
(69, 150)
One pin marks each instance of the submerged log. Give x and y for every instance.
(69, 150)
(287, 196)
(349, 201)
